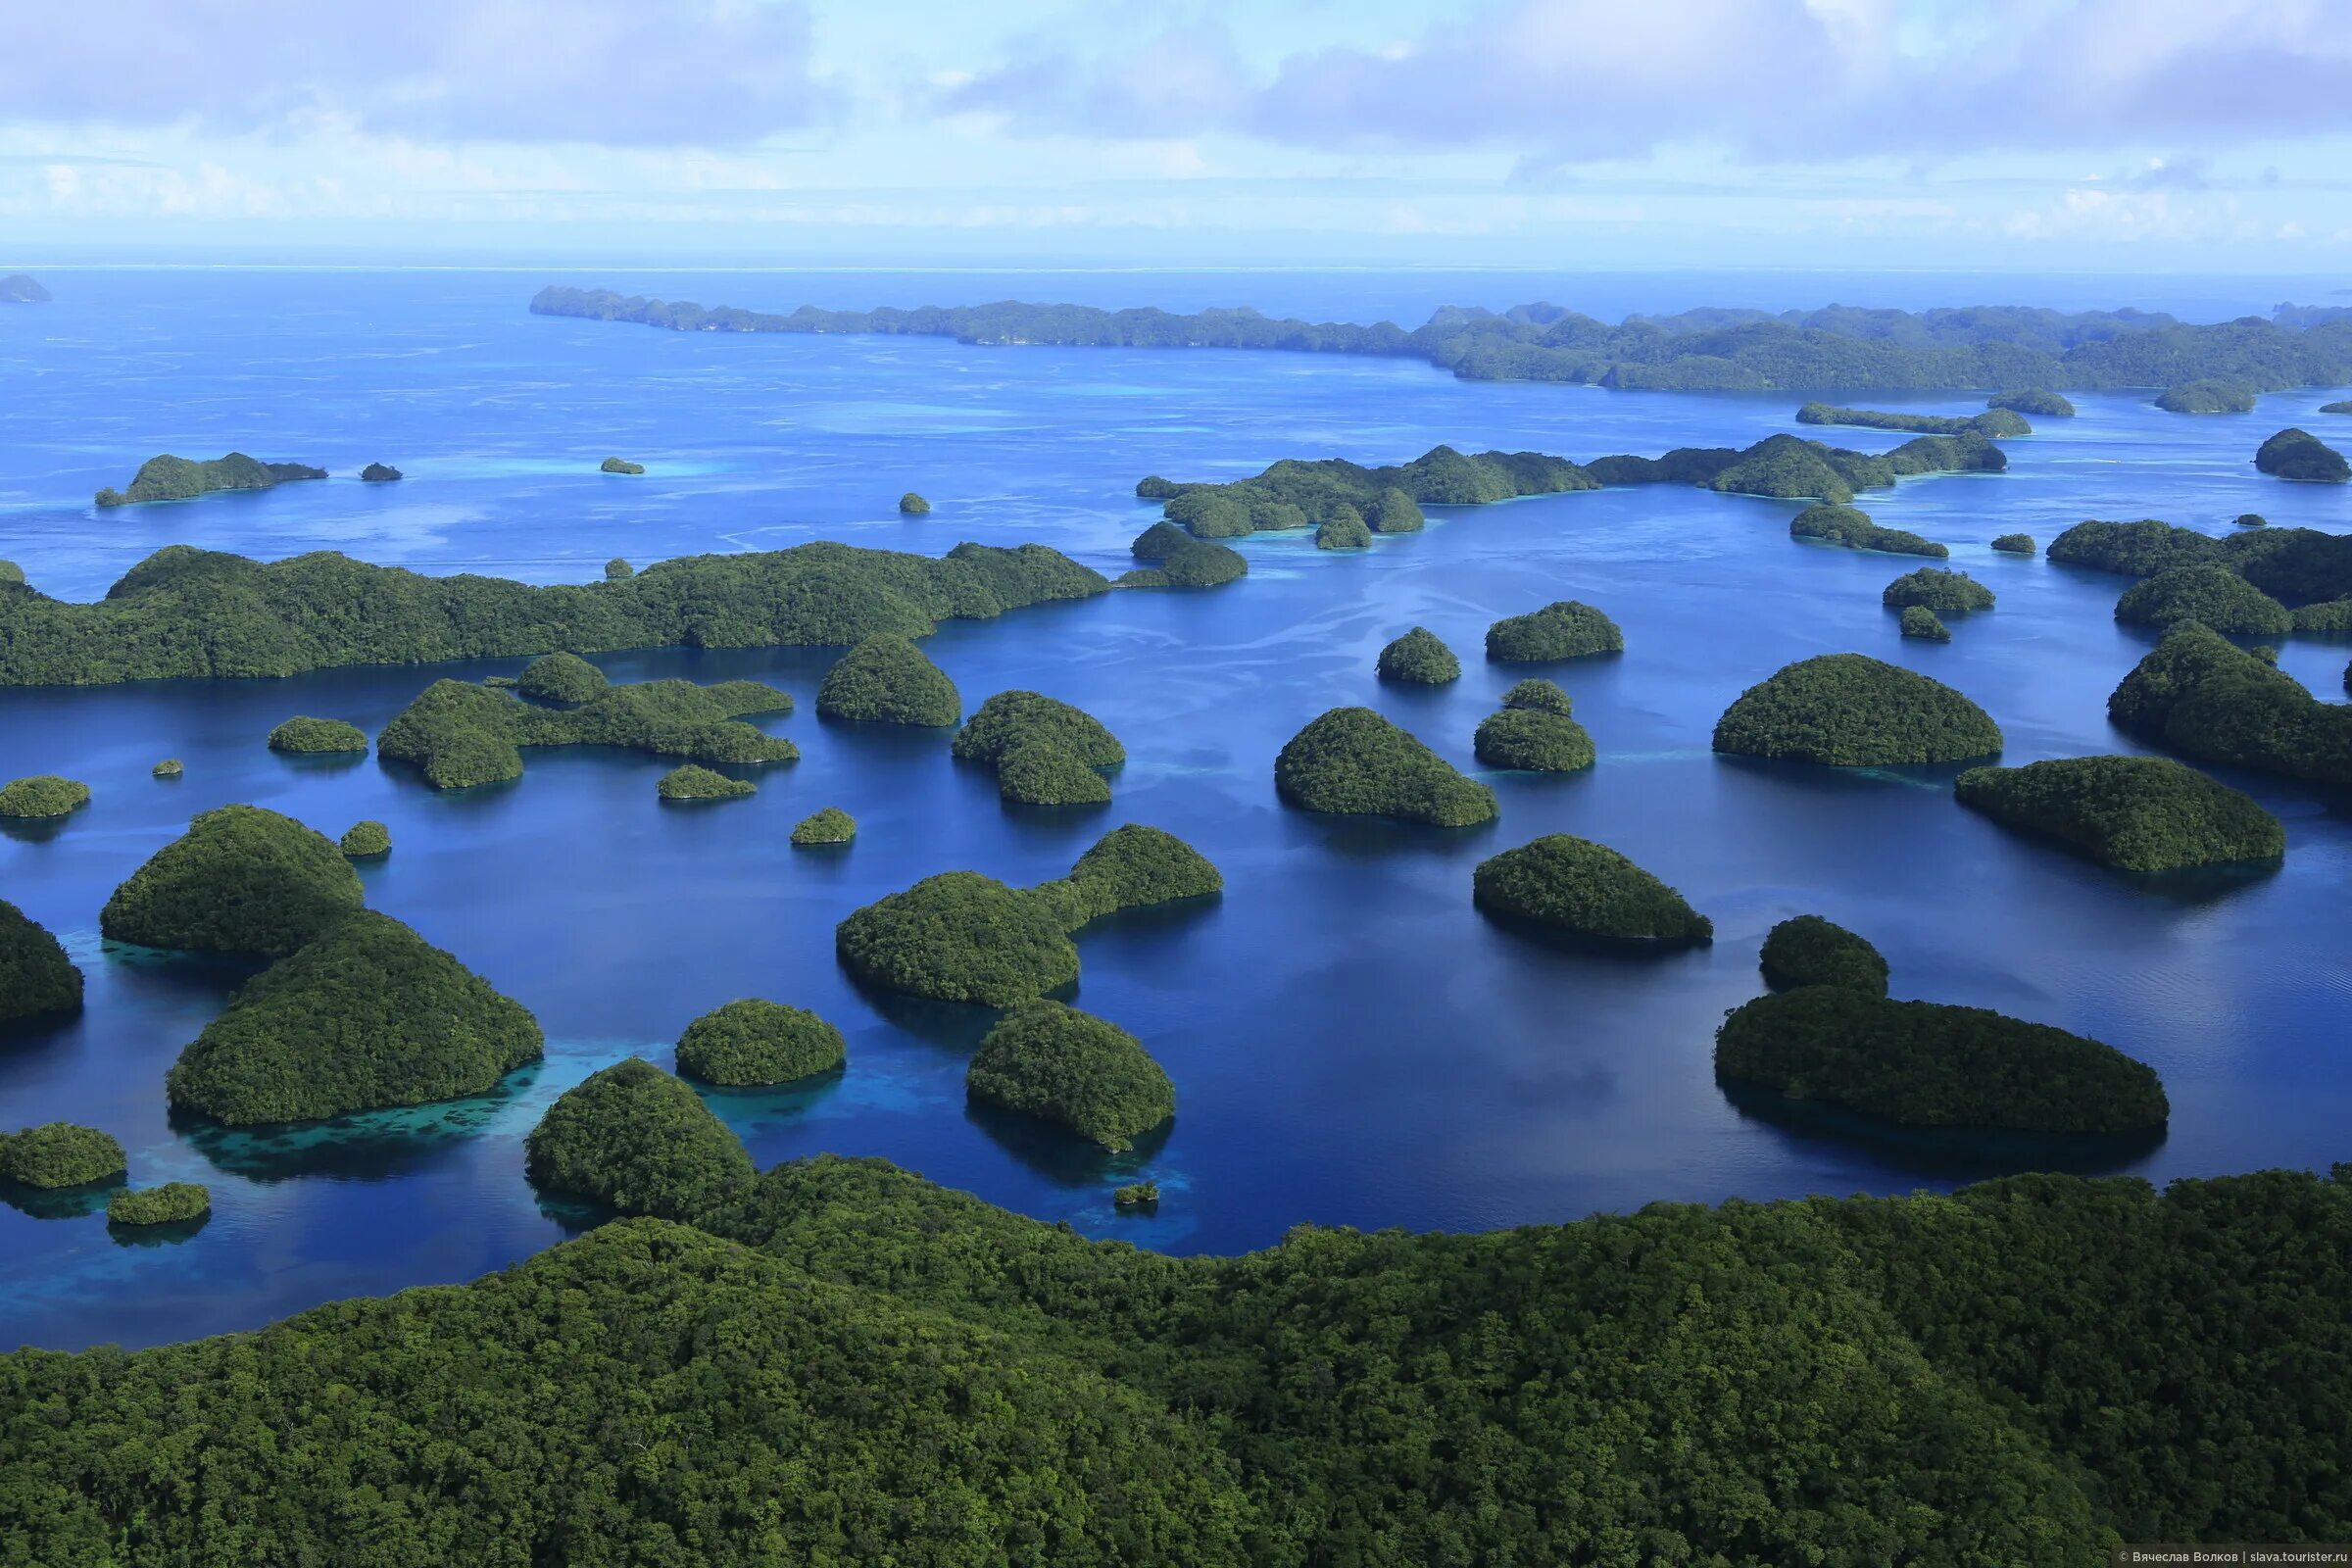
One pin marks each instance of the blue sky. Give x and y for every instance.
(1999, 134)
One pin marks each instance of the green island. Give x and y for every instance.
(1938, 589)
(1197, 564)
(1850, 528)
(2136, 814)
(1343, 529)
(37, 978)
(561, 677)
(1043, 750)
(634, 1138)
(963, 937)
(1708, 349)
(302, 733)
(1927, 1359)
(827, 826)
(1156, 542)
(2207, 396)
(1918, 620)
(1575, 885)
(1934, 1064)
(887, 680)
(379, 474)
(1070, 1068)
(2249, 520)
(2299, 455)
(59, 1154)
(367, 840)
(2039, 402)
(169, 479)
(1999, 421)
(1354, 762)
(241, 880)
(1534, 731)
(1135, 1194)
(172, 1204)
(2198, 694)
(368, 1014)
(1562, 630)
(2342, 406)
(457, 735)
(18, 288)
(12, 575)
(1806, 950)
(187, 612)
(2213, 595)
(2014, 544)
(751, 1042)
(168, 767)
(1851, 710)
(619, 466)
(1419, 657)
(40, 795)
(2294, 566)
(690, 781)
(912, 505)
(619, 570)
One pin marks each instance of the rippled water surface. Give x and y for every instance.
(1350, 1041)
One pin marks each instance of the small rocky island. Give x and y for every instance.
(827, 825)
(59, 1154)
(619, 466)
(169, 479)
(1563, 630)
(379, 474)
(303, 733)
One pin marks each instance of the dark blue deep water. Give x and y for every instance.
(1352, 1043)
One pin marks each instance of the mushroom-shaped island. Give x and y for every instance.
(1851, 710)
(640, 1140)
(172, 1204)
(59, 1154)
(1351, 760)
(1930, 1064)
(1918, 620)
(1573, 885)
(369, 1016)
(561, 678)
(828, 825)
(2014, 544)
(304, 734)
(1419, 657)
(368, 839)
(751, 1042)
(37, 978)
(912, 505)
(2135, 814)
(1937, 589)
(1073, 1069)
(1810, 950)
(41, 795)
(242, 880)
(1533, 732)
(1558, 631)
(887, 680)
(2213, 596)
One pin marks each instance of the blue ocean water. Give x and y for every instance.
(1350, 1041)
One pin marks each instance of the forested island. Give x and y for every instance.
(1806, 950)
(752, 1041)
(1850, 528)
(2198, 694)
(1881, 1380)
(2294, 453)
(37, 978)
(169, 479)
(1569, 883)
(1354, 762)
(188, 612)
(2207, 397)
(1996, 423)
(2297, 566)
(1851, 710)
(457, 735)
(1073, 1069)
(1044, 750)
(2136, 814)
(1705, 350)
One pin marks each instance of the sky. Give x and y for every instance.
(2012, 135)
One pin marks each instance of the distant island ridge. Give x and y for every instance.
(18, 289)
(1978, 348)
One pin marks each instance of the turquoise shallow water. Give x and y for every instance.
(1352, 1043)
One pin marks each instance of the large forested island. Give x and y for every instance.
(188, 612)
(1707, 350)
(170, 478)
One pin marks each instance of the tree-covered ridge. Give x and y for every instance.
(1850, 528)
(963, 937)
(2198, 694)
(2208, 396)
(1996, 423)
(2295, 565)
(2139, 813)
(368, 1015)
(187, 612)
(458, 734)
(1354, 762)
(2209, 594)
(1851, 710)
(170, 478)
(2040, 402)
(1932, 1064)
(241, 880)
(1575, 885)
(37, 978)
(1918, 1379)
(1075, 1070)
(1705, 350)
